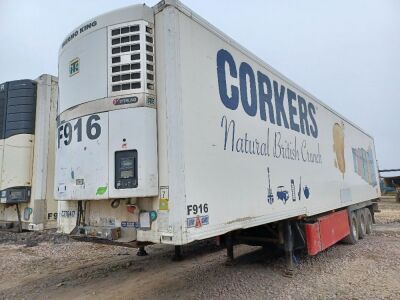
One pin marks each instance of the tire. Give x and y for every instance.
(362, 222)
(352, 238)
(368, 219)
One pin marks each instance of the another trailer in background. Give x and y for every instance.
(171, 132)
(391, 183)
(27, 128)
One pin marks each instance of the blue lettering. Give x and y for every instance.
(297, 114)
(292, 110)
(311, 113)
(250, 107)
(280, 110)
(224, 57)
(224, 124)
(265, 97)
(303, 115)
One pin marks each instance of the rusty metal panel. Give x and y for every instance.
(327, 231)
(313, 238)
(333, 228)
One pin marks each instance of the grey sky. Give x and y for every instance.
(346, 53)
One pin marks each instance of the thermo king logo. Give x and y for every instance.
(74, 67)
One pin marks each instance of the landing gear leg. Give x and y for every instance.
(288, 246)
(141, 251)
(19, 219)
(178, 256)
(229, 249)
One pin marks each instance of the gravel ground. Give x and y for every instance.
(33, 238)
(50, 266)
(389, 211)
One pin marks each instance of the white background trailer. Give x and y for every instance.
(223, 141)
(27, 152)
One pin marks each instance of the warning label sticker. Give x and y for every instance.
(197, 221)
(164, 198)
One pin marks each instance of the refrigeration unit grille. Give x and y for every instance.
(131, 58)
(17, 108)
(3, 100)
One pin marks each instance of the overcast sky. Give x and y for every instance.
(346, 53)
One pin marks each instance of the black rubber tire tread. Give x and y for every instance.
(352, 238)
(361, 221)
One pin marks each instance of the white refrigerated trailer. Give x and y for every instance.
(27, 128)
(171, 132)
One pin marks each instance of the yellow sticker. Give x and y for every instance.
(164, 198)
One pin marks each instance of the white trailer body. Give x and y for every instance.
(27, 117)
(189, 136)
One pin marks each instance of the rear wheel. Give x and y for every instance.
(362, 232)
(368, 221)
(352, 238)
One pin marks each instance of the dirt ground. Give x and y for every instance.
(50, 266)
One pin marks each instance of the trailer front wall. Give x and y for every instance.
(255, 147)
(28, 159)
